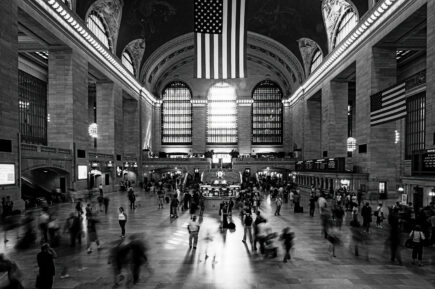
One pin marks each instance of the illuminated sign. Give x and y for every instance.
(7, 174)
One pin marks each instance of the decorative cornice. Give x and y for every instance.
(365, 27)
(77, 29)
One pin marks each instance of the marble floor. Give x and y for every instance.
(231, 264)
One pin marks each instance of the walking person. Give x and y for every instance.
(132, 198)
(379, 214)
(247, 222)
(174, 207)
(287, 238)
(106, 204)
(394, 239)
(278, 205)
(417, 237)
(122, 219)
(312, 204)
(193, 228)
(366, 213)
(45, 259)
(44, 219)
(92, 233)
(161, 197)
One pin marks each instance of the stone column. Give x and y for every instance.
(287, 128)
(9, 115)
(199, 127)
(430, 76)
(334, 118)
(67, 100)
(376, 71)
(312, 129)
(244, 125)
(109, 118)
(131, 139)
(157, 128)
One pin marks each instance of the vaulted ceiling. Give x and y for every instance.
(159, 21)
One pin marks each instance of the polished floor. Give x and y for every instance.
(231, 263)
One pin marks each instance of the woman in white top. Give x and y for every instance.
(417, 240)
(122, 218)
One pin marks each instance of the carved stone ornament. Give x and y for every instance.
(136, 49)
(333, 10)
(111, 10)
(307, 48)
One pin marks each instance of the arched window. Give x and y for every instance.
(176, 114)
(95, 24)
(127, 61)
(346, 24)
(222, 114)
(316, 61)
(267, 113)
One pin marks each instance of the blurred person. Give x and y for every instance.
(174, 207)
(79, 208)
(366, 213)
(394, 239)
(264, 229)
(88, 210)
(122, 219)
(334, 239)
(258, 220)
(53, 231)
(379, 214)
(193, 229)
(74, 227)
(14, 274)
(287, 238)
(137, 255)
(339, 216)
(132, 198)
(46, 266)
(201, 206)
(278, 203)
(417, 237)
(359, 238)
(312, 205)
(247, 222)
(92, 233)
(118, 258)
(44, 219)
(106, 204)
(161, 198)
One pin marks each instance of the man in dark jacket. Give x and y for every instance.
(366, 213)
(46, 267)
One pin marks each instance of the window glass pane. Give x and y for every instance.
(415, 124)
(347, 23)
(267, 114)
(95, 24)
(127, 62)
(176, 114)
(32, 105)
(317, 60)
(222, 115)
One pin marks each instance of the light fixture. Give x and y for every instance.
(93, 130)
(396, 136)
(351, 144)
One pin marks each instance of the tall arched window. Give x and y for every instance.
(267, 113)
(346, 24)
(316, 61)
(176, 114)
(222, 114)
(95, 24)
(127, 61)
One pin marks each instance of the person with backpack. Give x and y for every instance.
(379, 216)
(122, 219)
(247, 222)
(417, 237)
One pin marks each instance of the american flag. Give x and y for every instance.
(220, 39)
(388, 105)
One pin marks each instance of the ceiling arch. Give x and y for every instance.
(274, 59)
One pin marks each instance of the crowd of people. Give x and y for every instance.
(340, 212)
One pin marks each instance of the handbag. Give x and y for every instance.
(409, 243)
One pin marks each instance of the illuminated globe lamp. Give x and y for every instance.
(351, 144)
(93, 130)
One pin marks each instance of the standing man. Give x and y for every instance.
(46, 267)
(366, 213)
(193, 229)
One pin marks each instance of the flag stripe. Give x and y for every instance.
(388, 105)
(225, 41)
(242, 39)
(220, 39)
(388, 119)
(233, 38)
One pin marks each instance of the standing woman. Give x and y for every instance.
(122, 218)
